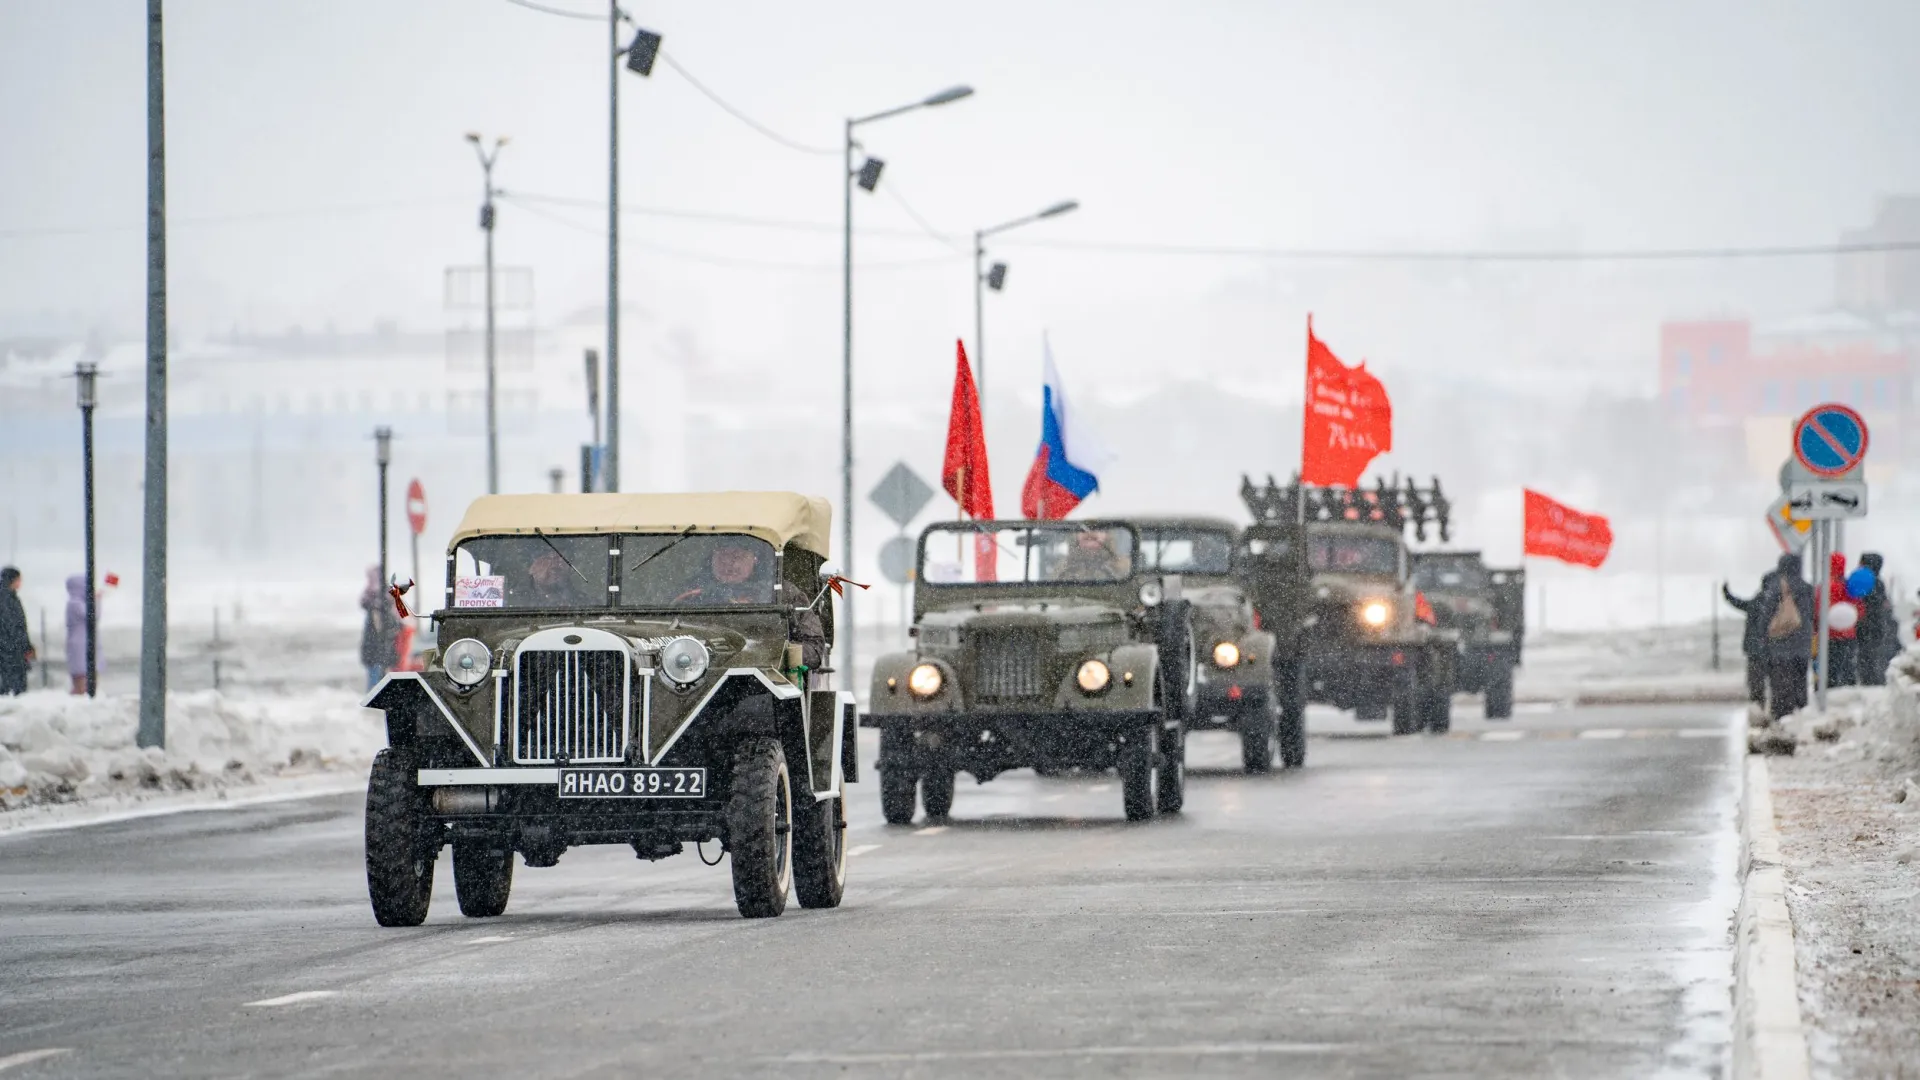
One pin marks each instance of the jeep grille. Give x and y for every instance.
(571, 704)
(1010, 665)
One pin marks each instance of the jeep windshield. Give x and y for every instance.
(1029, 554)
(1186, 551)
(1336, 554)
(1465, 575)
(652, 570)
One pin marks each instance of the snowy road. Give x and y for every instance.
(1550, 901)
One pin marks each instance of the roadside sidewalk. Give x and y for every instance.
(1847, 803)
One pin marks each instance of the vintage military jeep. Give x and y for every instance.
(619, 669)
(1370, 643)
(1234, 687)
(1042, 644)
(1486, 607)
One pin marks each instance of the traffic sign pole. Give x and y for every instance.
(1823, 545)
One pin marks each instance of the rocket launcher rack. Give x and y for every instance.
(1393, 503)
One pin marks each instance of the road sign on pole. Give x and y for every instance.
(1830, 440)
(1789, 529)
(416, 507)
(1828, 500)
(896, 559)
(900, 494)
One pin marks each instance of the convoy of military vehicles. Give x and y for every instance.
(653, 671)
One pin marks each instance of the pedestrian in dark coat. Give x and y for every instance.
(16, 647)
(378, 644)
(1789, 619)
(1753, 640)
(1879, 626)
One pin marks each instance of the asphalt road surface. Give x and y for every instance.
(1550, 901)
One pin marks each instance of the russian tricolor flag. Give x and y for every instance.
(1063, 466)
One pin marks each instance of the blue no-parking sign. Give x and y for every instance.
(1830, 440)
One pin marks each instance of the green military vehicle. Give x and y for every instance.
(1037, 644)
(1234, 673)
(1368, 641)
(1486, 607)
(645, 670)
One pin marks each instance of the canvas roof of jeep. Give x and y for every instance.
(778, 517)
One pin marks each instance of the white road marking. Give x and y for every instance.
(1243, 1049)
(489, 939)
(1604, 733)
(1702, 733)
(1101, 787)
(1502, 736)
(291, 999)
(931, 830)
(28, 1057)
(862, 849)
(1052, 798)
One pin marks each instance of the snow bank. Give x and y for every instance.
(56, 748)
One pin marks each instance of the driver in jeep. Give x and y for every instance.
(734, 576)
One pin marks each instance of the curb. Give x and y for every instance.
(1769, 1040)
(50, 817)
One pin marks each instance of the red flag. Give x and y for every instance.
(1561, 532)
(1347, 419)
(964, 472)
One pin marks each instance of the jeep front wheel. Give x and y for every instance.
(1500, 695)
(820, 851)
(1170, 792)
(401, 844)
(760, 828)
(1256, 735)
(936, 792)
(899, 785)
(1136, 773)
(482, 876)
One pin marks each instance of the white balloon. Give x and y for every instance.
(1843, 616)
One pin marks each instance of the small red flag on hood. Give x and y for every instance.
(964, 471)
(1347, 420)
(1561, 532)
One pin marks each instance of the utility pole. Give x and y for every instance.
(611, 476)
(382, 457)
(590, 462)
(84, 375)
(487, 158)
(995, 277)
(153, 588)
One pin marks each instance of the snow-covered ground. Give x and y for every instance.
(1650, 664)
(1848, 806)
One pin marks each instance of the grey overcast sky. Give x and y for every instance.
(334, 130)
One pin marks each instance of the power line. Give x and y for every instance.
(1470, 255)
(562, 12)
(667, 58)
(893, 192)
(285, 214)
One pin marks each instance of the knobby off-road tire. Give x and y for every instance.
(1409, 709)
(1170, 786)
(760, 828)
(820, 850)
(1257, 726)
(482, 876)
(1500, 695)
(936, 792)
(1439, 710)
(1136, 774)
(899, 787)
(401, 844)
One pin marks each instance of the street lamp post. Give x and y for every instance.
(487, 158)
(382, 457)
(640, 56)
(868, 177)
(84, 376)
(995, 278)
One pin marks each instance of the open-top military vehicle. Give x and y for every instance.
(1486, 607)
(1369, 642)
(619, 669)
(1234, 672)
(1042, 644)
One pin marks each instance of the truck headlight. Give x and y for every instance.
(1375, 613)
(1093, 677)
(1151, 593)
(684, 660)
(925, 680)
(1226, 654)
(466, 661)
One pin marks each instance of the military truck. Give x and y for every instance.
(1234, 668)
(1037, 644)
(647, 670)
(1486, 607)
(1368, 641)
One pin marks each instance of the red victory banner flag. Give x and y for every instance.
(964, 470)
(1561, 532)
(1347, 420)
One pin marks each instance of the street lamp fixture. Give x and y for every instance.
(867, 176)
(995, 277)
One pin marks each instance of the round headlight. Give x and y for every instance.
(1093, 676)
(466, 661)
(1226, 654)
(1151, 592)
(684, 660)
(1375, 613)
(925, 680)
